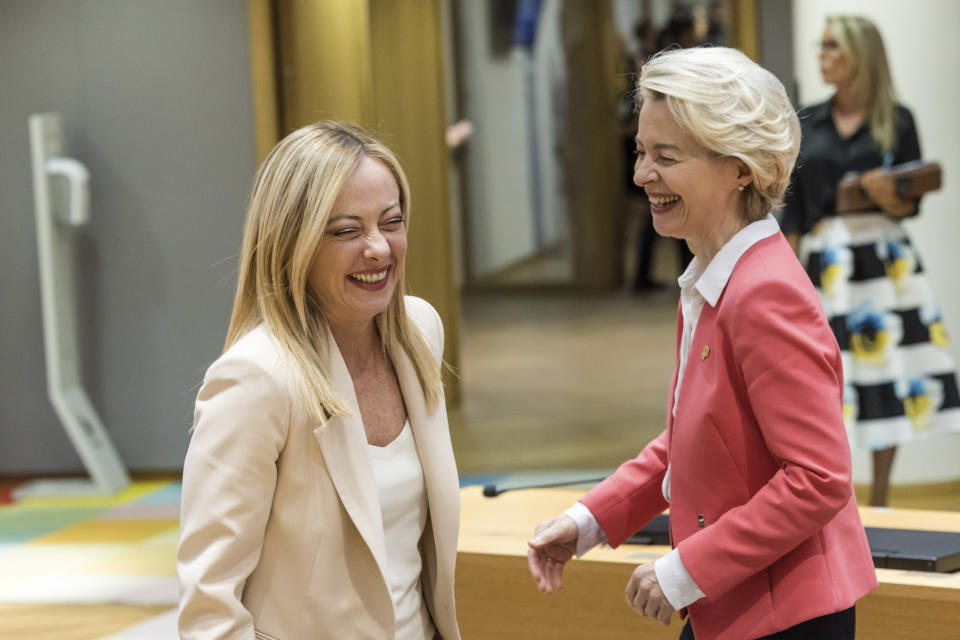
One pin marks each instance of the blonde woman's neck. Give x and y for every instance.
(845, 102)
(359, 344)
(848, 115)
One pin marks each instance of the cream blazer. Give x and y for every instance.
(280, 529)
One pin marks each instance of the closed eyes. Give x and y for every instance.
(640, 153)
(391, 224)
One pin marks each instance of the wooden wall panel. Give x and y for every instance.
(744, 34)
(324, 61)
(594, 193)
(263, 81)
(409, 116)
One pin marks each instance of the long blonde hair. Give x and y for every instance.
(872, 86)
(293, 194)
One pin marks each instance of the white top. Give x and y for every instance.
(698, 285)
(403, 504)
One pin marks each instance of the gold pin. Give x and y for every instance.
(705, 352)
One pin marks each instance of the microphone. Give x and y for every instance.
(492, 490)
(656, 532)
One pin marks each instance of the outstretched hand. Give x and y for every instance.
(553, 544)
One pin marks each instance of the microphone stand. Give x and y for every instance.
(492, 490)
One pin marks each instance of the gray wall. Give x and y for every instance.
(775, 26)
(155, 96)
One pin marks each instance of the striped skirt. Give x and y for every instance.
(899, 372)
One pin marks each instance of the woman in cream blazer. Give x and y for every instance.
(281, 528)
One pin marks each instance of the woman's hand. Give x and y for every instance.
(881, 188)
(644, 594)
(554, 542)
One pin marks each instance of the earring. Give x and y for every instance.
(739, 187)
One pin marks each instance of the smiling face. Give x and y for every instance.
(835, 65)
(693, 192)
(360, 258)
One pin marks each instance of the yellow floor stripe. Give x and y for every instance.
(108, 532)
(131, 493)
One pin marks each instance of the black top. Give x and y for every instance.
(825, 157)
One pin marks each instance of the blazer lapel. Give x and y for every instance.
(343, 443)
(676, 370)
(432, 437)
(693, 371)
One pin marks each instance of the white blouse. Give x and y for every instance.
(403, 504)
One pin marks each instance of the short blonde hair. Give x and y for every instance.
(734, 108)
(293, 195)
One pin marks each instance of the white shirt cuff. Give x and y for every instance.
(676, 584)
(589, 533)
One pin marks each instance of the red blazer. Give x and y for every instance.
(762, 507)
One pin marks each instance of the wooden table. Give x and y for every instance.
(496, 597)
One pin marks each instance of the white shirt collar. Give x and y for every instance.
(712, 280)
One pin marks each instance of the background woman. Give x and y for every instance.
(320, 493)
(898, 367)
(754, 463)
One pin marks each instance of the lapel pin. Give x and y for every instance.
(705, 352)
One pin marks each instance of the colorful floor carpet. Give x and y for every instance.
(121, 550)
(116, 550)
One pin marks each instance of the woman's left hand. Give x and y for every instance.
(882, 190)
(645, 596)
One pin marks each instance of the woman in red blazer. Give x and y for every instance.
(754, 463)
